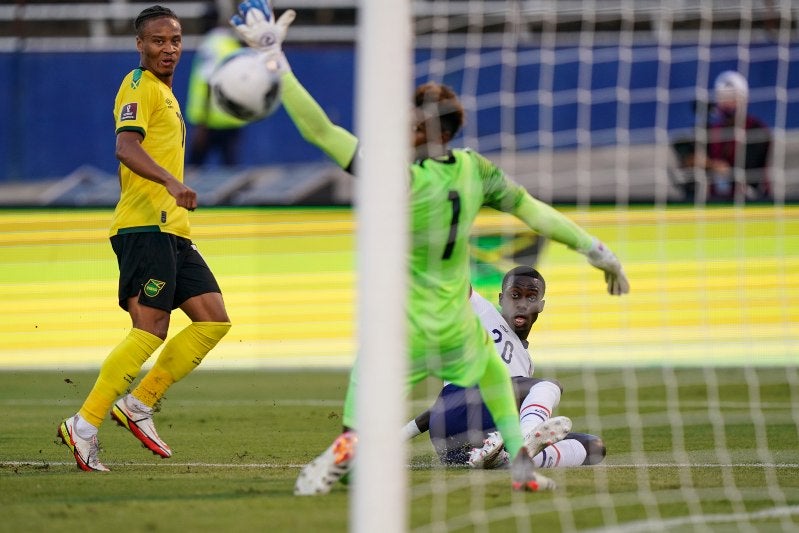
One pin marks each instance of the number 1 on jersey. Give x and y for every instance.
(455, 199)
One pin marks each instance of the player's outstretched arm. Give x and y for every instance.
(314, 125)
(549, 222)
(256, 24)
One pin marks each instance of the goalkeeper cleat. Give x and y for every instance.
(138, 419)
(86, 451)
(319, 476)
(524, 476)
(492, 455)
(547, 433)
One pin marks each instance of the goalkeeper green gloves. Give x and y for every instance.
(602, 258)
(256, 25)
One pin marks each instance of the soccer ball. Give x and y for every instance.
(246, 85)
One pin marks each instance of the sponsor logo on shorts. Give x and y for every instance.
(129, 111)
(153, 287)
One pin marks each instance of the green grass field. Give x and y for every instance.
(691, 379)
(240, 437)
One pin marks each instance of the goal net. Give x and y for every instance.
(690, 380)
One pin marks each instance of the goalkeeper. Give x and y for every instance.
(461, 428)
(446, 338)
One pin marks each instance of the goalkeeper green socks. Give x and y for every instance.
(497, 391)
(348, 416)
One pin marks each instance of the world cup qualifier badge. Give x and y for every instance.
(129, 111)
(153, 287)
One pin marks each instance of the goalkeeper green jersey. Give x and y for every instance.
(447, 193)
(446, 196)
(146, 105)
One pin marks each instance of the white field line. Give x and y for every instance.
(29, 402)
(25, 402)
(777, 466)
(159, 464)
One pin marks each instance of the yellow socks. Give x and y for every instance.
(180, 356)
(119, 370)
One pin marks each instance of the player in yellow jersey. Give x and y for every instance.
(448, 188)
(160, 269)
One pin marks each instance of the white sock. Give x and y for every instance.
(83, 428)
(569, 452)
(410, 430)
(537, 407)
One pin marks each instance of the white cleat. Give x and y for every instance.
(547, 433)
(139, 421)
(86, 451)
(491, 455)
(319, 476)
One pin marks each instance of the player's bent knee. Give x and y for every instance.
(206, 335)
(214, 330)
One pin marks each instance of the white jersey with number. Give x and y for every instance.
(509, 347)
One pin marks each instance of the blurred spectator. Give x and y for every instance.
(213, 129)
(736, 151)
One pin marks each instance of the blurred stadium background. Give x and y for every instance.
(62, 62)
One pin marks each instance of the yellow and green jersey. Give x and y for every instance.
(146, 105)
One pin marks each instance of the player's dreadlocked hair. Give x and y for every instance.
(151, 13)
(523, 271)
(436, 100)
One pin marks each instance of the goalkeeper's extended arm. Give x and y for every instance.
(550, 223)
(255, 23)
(314, 125)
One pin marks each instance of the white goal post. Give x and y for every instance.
(383, 125)
(691, 379)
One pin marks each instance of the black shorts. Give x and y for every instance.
(163, 269)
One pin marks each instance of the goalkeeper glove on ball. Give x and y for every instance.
(602, 258)
(255, 24)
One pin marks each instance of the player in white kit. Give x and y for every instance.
(461, 428)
